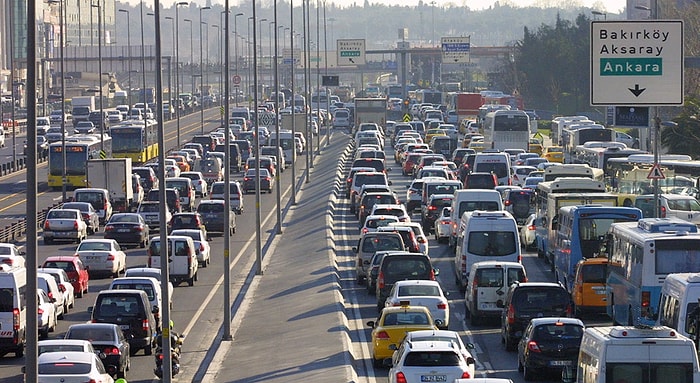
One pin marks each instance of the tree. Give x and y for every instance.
(685, 138)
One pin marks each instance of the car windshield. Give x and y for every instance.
(557, 331)
(91, 333)
(116, 306)
(406, 318)
(419, 290)
(95, 246)
(149, 207)
(60, 347)
(145, 287)
(121, 218)
(432, 358)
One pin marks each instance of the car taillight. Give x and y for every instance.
(110, 257)
(532, 227)
(646, 299)
(663, 211)
(15, 319)
(431, 207)
(432, 274)
(365, 230)
(507, 202)
(400, 378)
(442, 306)
(111, 351)
(383, 335)
(46, 225)
(422, 240)
(380, 279)
(532, 346)
(510, 314)
(145, 325)
(201, 247)
(75, 225)
(40, 311)
(465, 375)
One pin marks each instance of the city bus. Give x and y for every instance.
(79, 149)
(565, 191)
(581, 233)
(640, 255)
(507, 129)
(573, 170)
(137, 140)
(596, 154)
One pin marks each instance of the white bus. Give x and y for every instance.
(641, 355)
(572, 170)
(640, 256)
(559, 123)
(507, 129)
(596, 156)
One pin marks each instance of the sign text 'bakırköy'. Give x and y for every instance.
(639, 45)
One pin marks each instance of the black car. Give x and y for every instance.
(149, 180)
(109, 343)
(520, 203)
(399, 266)
(191, 220)
(213, 212)
(266, 180)
(127, 228)
(370, 199)
(480, 180)
(132, 312)
(549, 344)
(529, 300)
(431, 211)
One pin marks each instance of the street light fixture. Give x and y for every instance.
(235, 52)
(201, 69)
(99, 68)
(191, 53)
(177, 67)
(128, 43)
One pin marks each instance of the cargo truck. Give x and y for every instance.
(113, 174)
(370, 110)
(82, 106)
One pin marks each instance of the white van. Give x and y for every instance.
(470, 200)
(13, 310)
(487, 288)
(286, 143)
(611, 354)
(497, 163)
(679, 298)
(183, 260)
(98, 198)
(487, 236)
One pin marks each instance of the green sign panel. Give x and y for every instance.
(349, 53)
(633, 66)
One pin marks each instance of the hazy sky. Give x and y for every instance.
(612, 6)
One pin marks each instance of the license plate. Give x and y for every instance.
(560, 363)
(487, 306)
(123, 230)
(124, 326)
(92, 258)
(210, 215)
(433, 378)
(600, 292)
(61, 233)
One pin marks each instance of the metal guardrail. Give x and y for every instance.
(10, 167)
(17, 230)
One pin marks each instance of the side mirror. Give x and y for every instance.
(500, 304)
(155, 310)
(371, 323)
(90, 309)
(354, 249)
(62, 288)
(436, 271)
(439, 322)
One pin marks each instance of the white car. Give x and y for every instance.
(421, 293)
(62, 280)
(443, 225)
(200, 242)
(445, 335)
(11, 255)
(150, 211)
(374, 222)
(60, 367)
(150, 272)
(527, 233)
(47, 317)
(519, 173)
(200, 184)
(429, 361)
(102, 256)
(626, 139)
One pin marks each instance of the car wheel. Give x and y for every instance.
(52, 328)
(80, 293)
(475, 320)
(528, 373)
(510, 346)
(47, 241)
(65, 310)
(20, 351)
(377, 363)
(520, 365)
(191, 281)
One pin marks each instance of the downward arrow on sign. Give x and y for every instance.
(636, 91)
(351, 60)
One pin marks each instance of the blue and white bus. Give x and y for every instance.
(507, 129)
(640, 256)
(581, 233)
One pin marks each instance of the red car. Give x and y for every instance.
(77, 272)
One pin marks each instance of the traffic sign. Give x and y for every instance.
(637, 62)
(455, 49)
(267, 119)
(236, 79)
(655, 173)
(351, 52)
(407, 117)
(103, 154)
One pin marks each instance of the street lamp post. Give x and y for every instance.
(177, 67)
(218, 60)
(99, 69)
(235, 51)
(143, 60)
(191, 53)
(201, 68)
(170, 88)
(251, 51)
(257, 70)
(128, 43)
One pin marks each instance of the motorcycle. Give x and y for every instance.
(175, 350)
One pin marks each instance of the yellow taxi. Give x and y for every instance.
(392, 326)
(181, 162)
(430, 133)
(553, 154)
(588, 292)
(535, 146)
